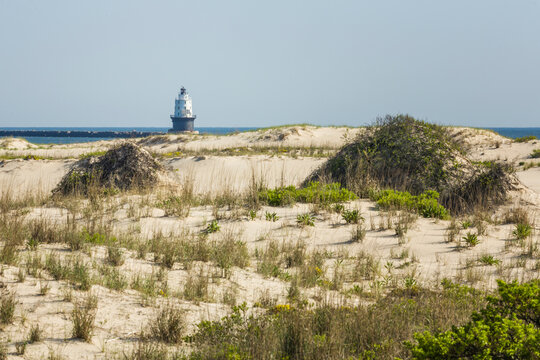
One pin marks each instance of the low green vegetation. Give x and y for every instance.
(352, 216)
(92, 154)
(471, 239)
(305, 219)
(212, 227)
(290, 151)
(525, 139)
(426, 204)
(522, 231)
(488, 260)
(535, 154)
(375, 331)
(507, 328)
(314, 192)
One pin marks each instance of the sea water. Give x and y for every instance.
(511, 132)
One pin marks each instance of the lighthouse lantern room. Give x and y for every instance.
(183, 117)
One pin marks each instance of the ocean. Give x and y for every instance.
(511, 132)
(71, 140)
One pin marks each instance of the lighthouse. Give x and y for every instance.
(183, 117)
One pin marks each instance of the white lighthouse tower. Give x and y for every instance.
(183, 117)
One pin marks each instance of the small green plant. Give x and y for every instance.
(535, 154)
(212, 227)
(338, 208)
(352, 216)
(466, 224)
(471, 239)
(488, 260)
(83, 317)
(32, 243)
(305, 219)
(410, 282)
(522, 231)
(271, 216)
(252, 214)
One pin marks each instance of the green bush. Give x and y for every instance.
(314, 192)
(405, 154)
(507, 328)
(425, 204)
(535, 154)
(525, 139)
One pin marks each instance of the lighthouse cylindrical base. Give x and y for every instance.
(182, 124)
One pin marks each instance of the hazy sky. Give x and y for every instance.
(255, 63)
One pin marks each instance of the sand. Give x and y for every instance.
(423, 253)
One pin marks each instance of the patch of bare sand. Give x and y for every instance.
(22, 177)
(530, 178)
(218, 174)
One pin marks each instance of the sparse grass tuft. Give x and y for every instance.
(114, 255)
(7, 307)
(83, 317)
(168, 325)
(35, 334)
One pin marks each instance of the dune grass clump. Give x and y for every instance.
(168, 325)
(405, 154)
(535, 154)
(488, 186)
(7, 307)
(124, 167)
(313, 192)
(83, 317)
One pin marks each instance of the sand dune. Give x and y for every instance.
(424, 253)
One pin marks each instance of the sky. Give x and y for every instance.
(264, 63)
